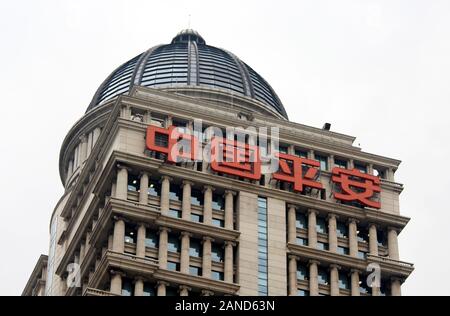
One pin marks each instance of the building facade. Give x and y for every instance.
(133, 223)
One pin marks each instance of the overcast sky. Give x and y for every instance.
(377, 70)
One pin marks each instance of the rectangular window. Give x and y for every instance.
(154, 188)
(217, 275)
(218, 202)
(151, 239)
(340, 163)
(323, 161)
(196, 218)
(218, 222)
(362, 168)
(362, 254)
(343, 281)
(262, 246)
(175, 213)
(301, 221)
(133, 183)
(342, 230)
(127, 288)
(196, 197)
(321, 225)
(173, 244)
(302, 293)
(322, 246)
(197, 271)
(216, 253)
(130, 234)
(175, 192)
(343, 250)
(302, 272)
(195, 248)
(302, 241)
(301, 153)
(173, 266)
(323, 276)
(149, 290)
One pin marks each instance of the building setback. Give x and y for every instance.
(132, 223)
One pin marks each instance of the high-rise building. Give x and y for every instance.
(135, 219)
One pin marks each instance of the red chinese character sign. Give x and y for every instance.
(356, 186)
(235, 158)
(299, 171)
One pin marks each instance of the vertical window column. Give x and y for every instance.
(119, 235)
(263, 263)
(334, 280)
(354, 280)
(116, 282)
(373, 240)
(83, 149)
(184, 259)
(143, 188)
(138, 287)
(332, 233)
(121, 183)
(292, 275)
(207, 293)
(229, 209)
(229, 262)
(330, 162)
(292, 229)
(207, 204)
(161, 288)
(184, 290)
(393, 243)
(396, 284)
(140, 242)
(186, 202)
(312, 230)
(206, 259)
(313, 278)
(165, 190)
(162, 249)
(353, 237)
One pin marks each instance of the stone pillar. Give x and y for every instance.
(311, 154)
(82, 251)
(95, 135)
(354, 280)
(292, 229)
(140, 241)
(165, 189)
(229, 209)
(161, 288)
(292, 275)
(396, 287)
(70, 169)
(370, 169)
(229, 264)
(206, 258)
(122, 183)
(186, 202)
(330, 162)
(207, 293)
(353, 237)
(119, 236)
(373, 240)
(110, 242)
(312, 231)
(207, 204)
(351, 164)
(116, 283)
(184, 290)
(138, 287)
(83, 149)
(184, 258)
(162, 250)
(393, 244)
(332, 232)
(334, 280)
(313, 278)
(143, 189)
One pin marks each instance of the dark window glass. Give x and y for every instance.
(218, 202)
(302, 272)
(321, 225)
(175, 213)
(323, 161)
(173, 266)
(362, 168)
(154, 188)
(340, 163)
(381, 237)
(175, 193)
(149, 290)
(302, 241)
(302, 293)
(363, 234)
(151, 239)
(173, 244)
(342, 230)
(344, 281)
(195, 248)
(323, 276)
(343, 250)
(130, 234)
(216, 253)
(196, 218)
(171, 291)
(322, 246)
(362, 254)
(217, 275)
(127, 288)
(196, 197)
(195, 271)
(218, 222)
(301, 153)
(301, 221)
(133, 183)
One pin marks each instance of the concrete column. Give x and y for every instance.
(95, 135)
(373, 240)
(354, 280)
(70, 169)
(206, 258)
(370, 169)
(396, 287)
(228, 265)
(184, 258)
(334, 280)
(229, 209)
(139, 287)
(89, 144)
(165, 189)
(292, 276)
(143, 189)
(140, 241)
(116, 283)
(82, 251)
(122, 183)
(83, 149)
(332, 232)
(184, 290)
(207, 204)
(353, 237)
(162, 250)
(330, 162)
(311, 154)
(186, 202)
(161, 288)
(393, 244)
(292, 229)
(313, 278)
(119, 236)
(312, 231)
(110, 242)
(351, 164)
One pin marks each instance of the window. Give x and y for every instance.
(149, 290)
(362, 254)
(323, 276)
(302, 241)
(301, 221)
(381, 238)
(283, 149)
(362, 168)
(302, 293)
(217, 275)
(130, 234)
(218, 222)
(321, 225)
(218, 202)
(196, 197)
(196, 218)
(175, 213)
(323, 161)
(175, 193)
(154, 188)
(195, 271)
(173, 244)
(173, 266)
(340, 163)
(342, 230)
(151, 239)
(322, 246)
(195, 248)
(302, 272)
(301, 153)
(133, 182)
(343, 250)
(127, 287)
(171, 291)
(363, 287)
(216, 253)
(343, 281)
(363, 234)
(262, 246)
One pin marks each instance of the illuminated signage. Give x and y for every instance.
(243, 160)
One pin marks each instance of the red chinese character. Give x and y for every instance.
(235, 158)
(175, 145)
(291, 170)
(356, 186)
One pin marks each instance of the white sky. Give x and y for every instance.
(378, 70)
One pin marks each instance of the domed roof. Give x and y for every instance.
(188, 62)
